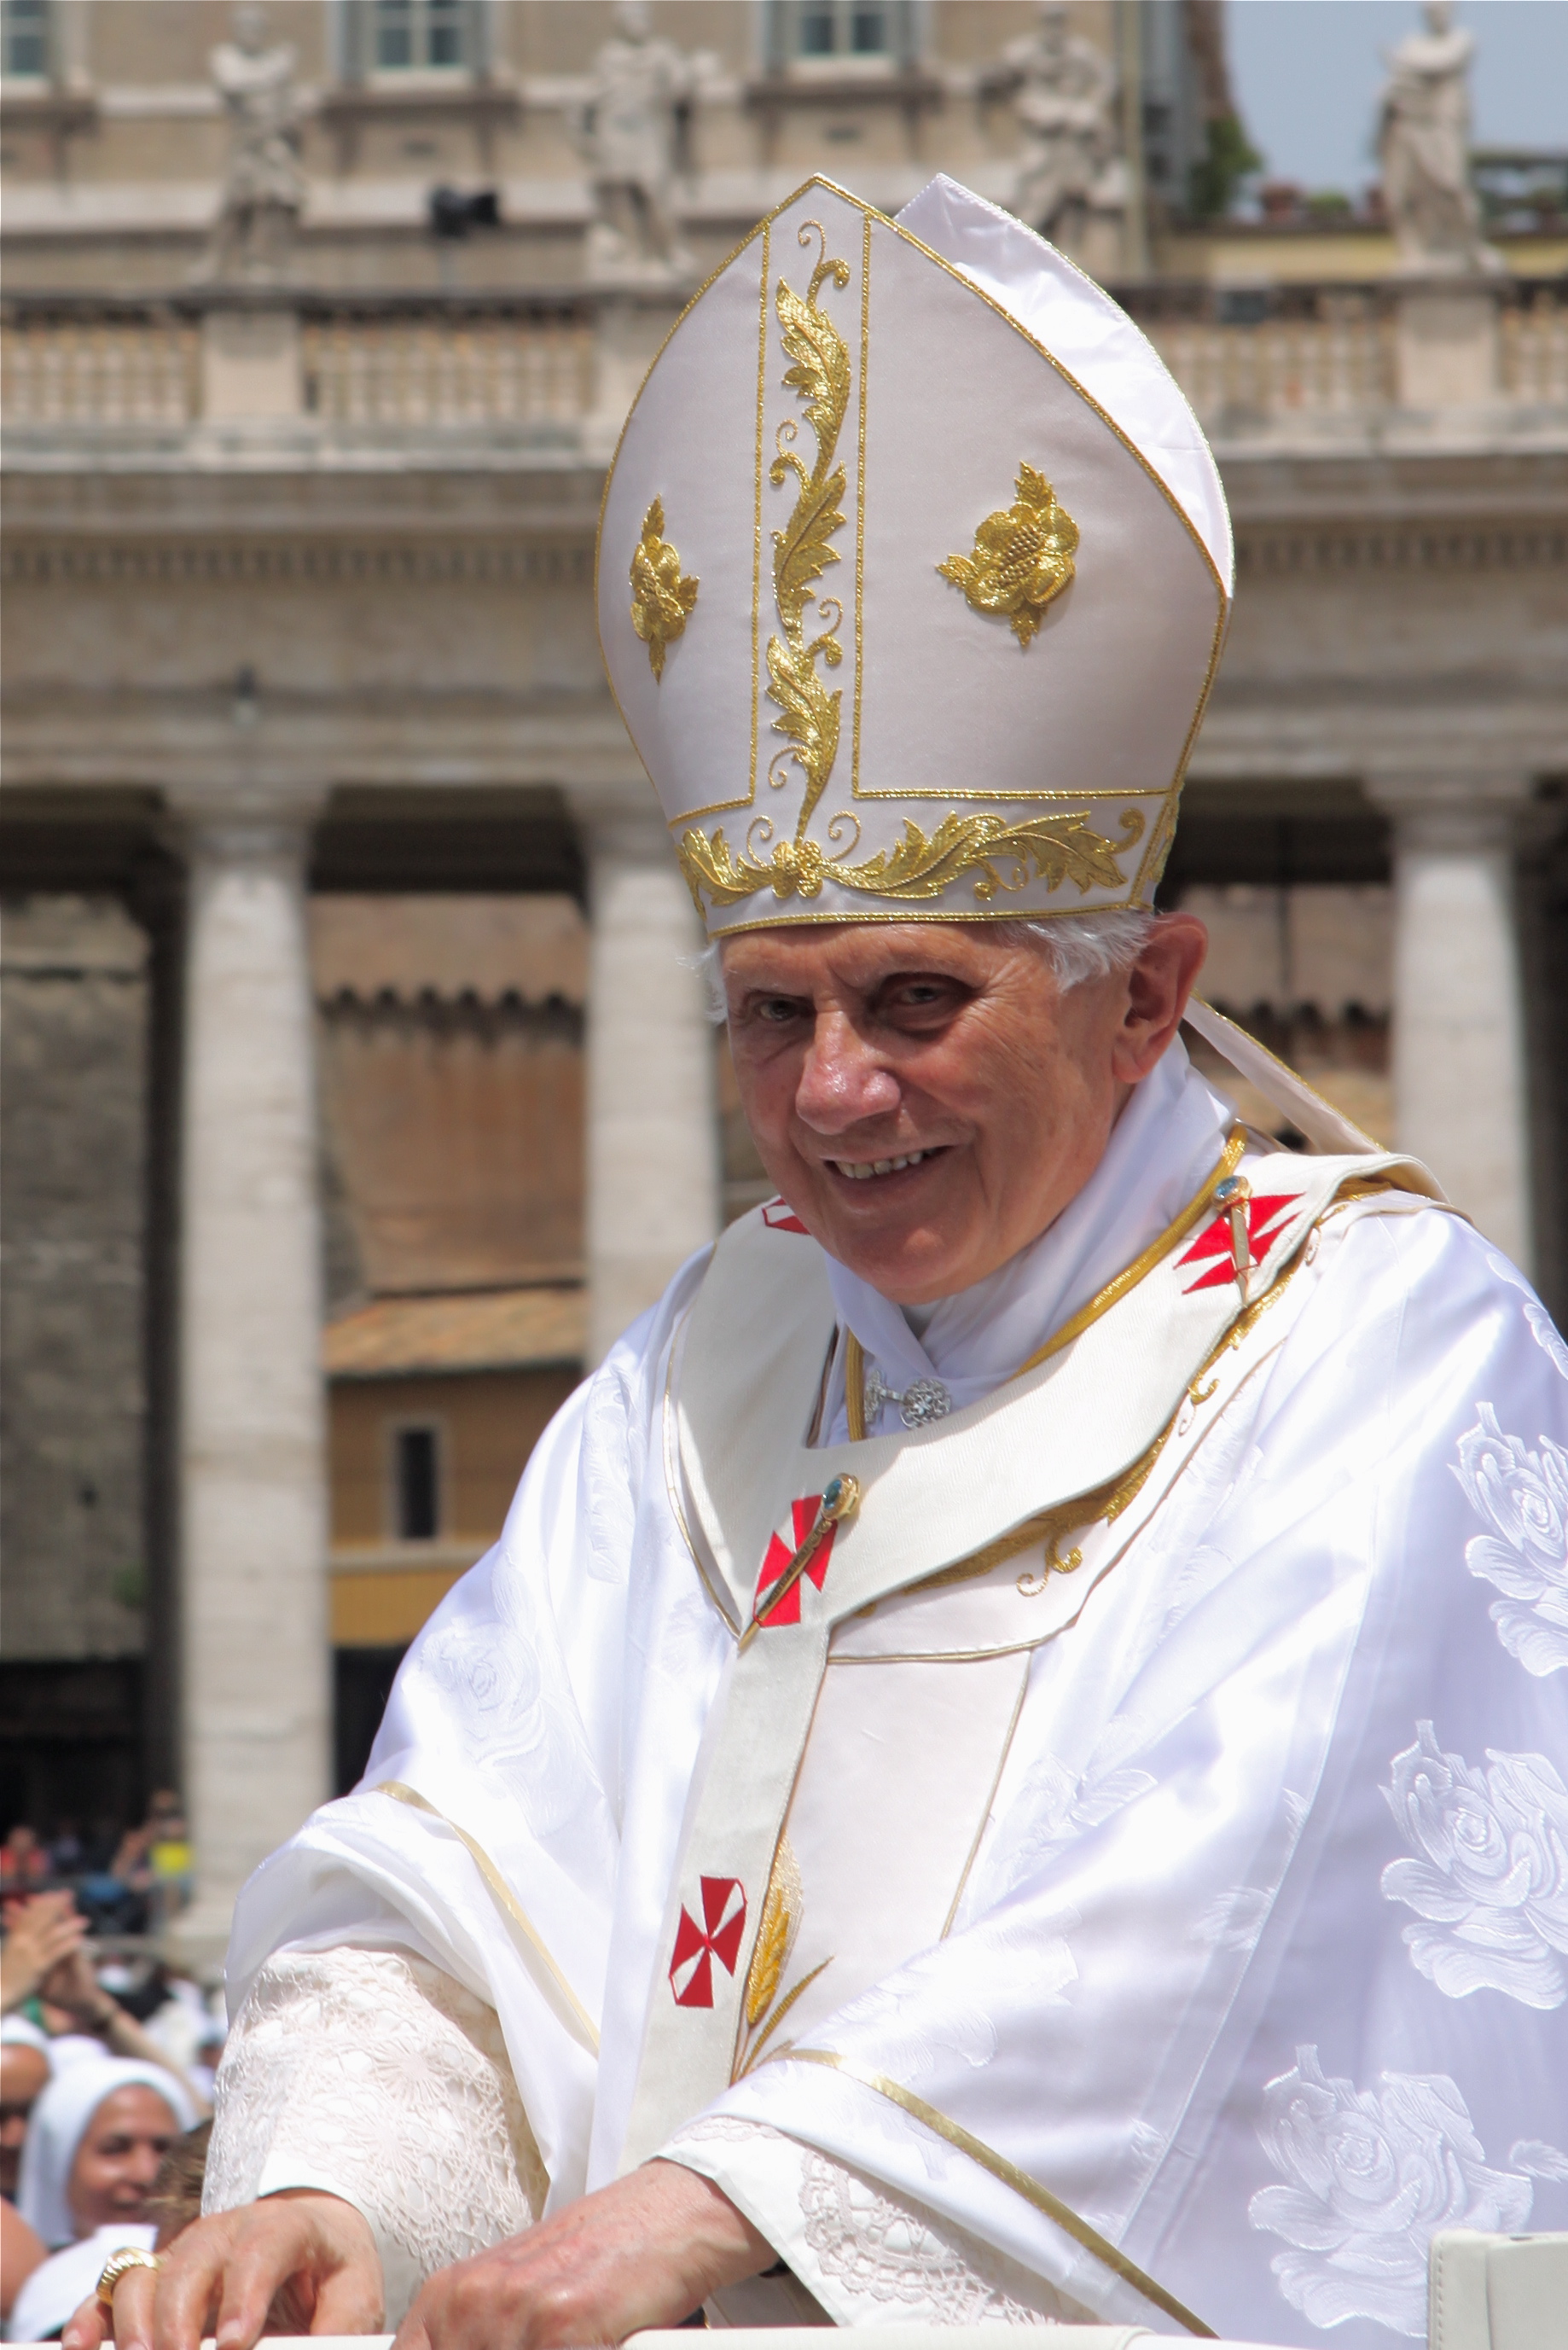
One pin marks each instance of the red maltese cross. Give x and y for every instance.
(718, 1937)
(780, 1217)
(1263, 1225)
(803, 1517)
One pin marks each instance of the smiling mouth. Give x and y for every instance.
(861, 1170)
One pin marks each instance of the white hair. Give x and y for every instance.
(1077, 946)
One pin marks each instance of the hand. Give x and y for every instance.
(297, 2263)
(40, 1932)
(72, 1985)
(646, 2251)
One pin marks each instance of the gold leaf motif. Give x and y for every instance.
(820, 374)
(775, 1935)
(661, 600)
(1002, 856)
(1021, 558)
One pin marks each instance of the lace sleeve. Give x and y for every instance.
(374, 2075)
(867, 2256)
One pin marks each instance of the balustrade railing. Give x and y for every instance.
(140, 367)
(1534, 358)
(1246, 357)
(511, 367)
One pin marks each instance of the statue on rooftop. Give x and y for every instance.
(1423, 145)
(264, 186)
(1063, 92)
(630, 134)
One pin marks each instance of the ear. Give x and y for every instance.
(1157, 986)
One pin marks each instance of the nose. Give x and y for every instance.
(841, 1082)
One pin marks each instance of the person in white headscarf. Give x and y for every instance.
(95, 2140)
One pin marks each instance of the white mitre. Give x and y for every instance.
(914, 569)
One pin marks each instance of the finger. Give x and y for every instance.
(352, 2299)
(187, 2291)
(87, 2327)
(132, 2324)
(263, 2259)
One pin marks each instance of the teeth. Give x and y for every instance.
(860, 1169)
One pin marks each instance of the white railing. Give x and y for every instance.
(1280, 366)
(511, 367)
(403, 365)
(104, 370)
(1533, 360)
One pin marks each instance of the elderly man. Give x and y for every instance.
(1006, 1762)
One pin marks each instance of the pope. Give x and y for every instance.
(1008, 1763)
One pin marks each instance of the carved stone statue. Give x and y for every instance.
(264, 187)
(631, 134)
(1423, 144)
(1063, 92)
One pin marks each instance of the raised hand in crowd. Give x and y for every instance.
(43, 1931)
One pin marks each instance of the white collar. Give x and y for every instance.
(1166, 1140)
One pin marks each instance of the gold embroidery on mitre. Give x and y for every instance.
(1021, 558)
(1003, 856)
(820, 374)
(661, 600)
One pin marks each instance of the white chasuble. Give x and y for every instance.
(1148, 1806)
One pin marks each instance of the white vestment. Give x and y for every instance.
(1199, 1855)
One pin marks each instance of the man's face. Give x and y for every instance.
(926, 1097)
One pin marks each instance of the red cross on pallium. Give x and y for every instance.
(718, 1937)
(803, 1517)
(780, 1217)
(1263, 1229)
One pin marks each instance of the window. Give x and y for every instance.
(829, 32)
(416, 1476)
(25, 54)
(423, 35)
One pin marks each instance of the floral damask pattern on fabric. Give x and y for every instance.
(1369, 2177)
(1490, 1870)
(1524, 1496)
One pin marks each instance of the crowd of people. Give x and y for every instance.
(106, 2058)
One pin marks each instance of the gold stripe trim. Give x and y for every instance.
(672, 1481)
(1172, 1237)
(989, 1799)
(860, 505)
(1112, 1294)
(506, 1900)
(757, 526)
(1021, 2182)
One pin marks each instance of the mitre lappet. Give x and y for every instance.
(914, 571)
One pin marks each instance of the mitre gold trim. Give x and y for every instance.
(1004, 856)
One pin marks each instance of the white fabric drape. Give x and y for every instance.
(1263, 1965)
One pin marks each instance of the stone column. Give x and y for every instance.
(1459, 1091)
(253, 1600)
(652, 1139)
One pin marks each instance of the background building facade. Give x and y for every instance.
(358, 1086)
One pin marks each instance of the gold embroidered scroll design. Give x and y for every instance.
(662, 601)
(1002, 856)
(819, 373)
(1021, 558)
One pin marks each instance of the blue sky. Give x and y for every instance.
(1307, 73)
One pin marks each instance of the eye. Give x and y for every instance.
(777, 1009)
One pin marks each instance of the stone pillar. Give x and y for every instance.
(1446, 344)
(252, 1598)
(1460, 1090)
(652, 1139)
